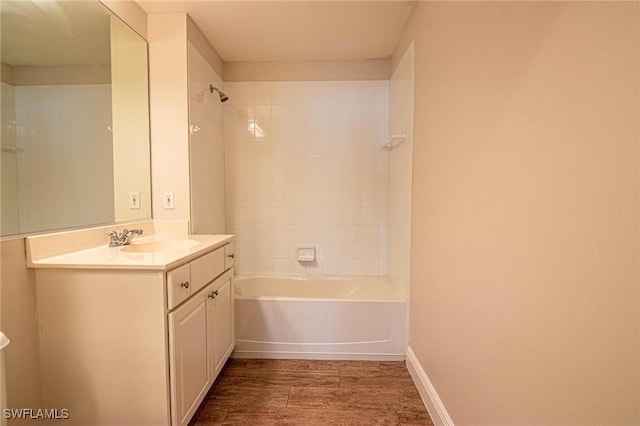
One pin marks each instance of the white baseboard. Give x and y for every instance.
(428, 393)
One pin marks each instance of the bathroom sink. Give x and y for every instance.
(160, 245)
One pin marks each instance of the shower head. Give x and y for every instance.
(223, 97)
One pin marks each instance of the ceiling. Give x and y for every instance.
(40, 33)
(250, 31)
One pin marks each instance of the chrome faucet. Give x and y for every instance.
(117, 240)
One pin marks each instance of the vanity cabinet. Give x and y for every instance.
(200, 341)
(138, 345)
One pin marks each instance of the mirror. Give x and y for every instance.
(75, 117)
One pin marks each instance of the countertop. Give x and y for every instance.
(104, 257)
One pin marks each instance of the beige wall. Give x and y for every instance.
(206, 147)
(130, 118)
(18, 322)
(372, 69)
(167, 36)
(204, 48)
(131, 13)
(400, 173)
(524, 292)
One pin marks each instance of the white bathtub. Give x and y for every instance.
(360, 318)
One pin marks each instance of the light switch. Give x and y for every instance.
(168, 201)
(134, 200)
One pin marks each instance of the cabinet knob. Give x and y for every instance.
(232, 256)
(184, 284)
(212, 295)
(215, 292)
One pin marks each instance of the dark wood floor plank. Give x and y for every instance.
(304, 392)
(375, 379)
(210, 415)
(398, 366)
(269, 364)
(409, 417)
(262, 377)
(354, 398)
(249, 396)
(333, 365)
(320, 417)
(393, 365)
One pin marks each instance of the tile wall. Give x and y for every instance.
(65, 166)
(304, 168)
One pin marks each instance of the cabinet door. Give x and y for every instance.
(219, 318)
(188, 358)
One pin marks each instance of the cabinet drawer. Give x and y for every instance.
(228, 256)
(178, 286)
(204, 269)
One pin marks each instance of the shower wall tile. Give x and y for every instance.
(58, 129)
(304, 168)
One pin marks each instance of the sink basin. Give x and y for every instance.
(160, 245)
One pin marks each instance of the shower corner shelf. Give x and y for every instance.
(394, 141)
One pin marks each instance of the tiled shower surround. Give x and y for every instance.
(304, 168)
(64, 166)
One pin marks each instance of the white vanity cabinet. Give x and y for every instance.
(200, 341)
(137, 345)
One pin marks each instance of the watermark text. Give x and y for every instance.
(36, 414)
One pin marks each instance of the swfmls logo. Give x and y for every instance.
(40, 413)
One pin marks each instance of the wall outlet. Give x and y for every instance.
(134, 200)
(168, 201)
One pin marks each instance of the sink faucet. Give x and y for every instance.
(117, 240)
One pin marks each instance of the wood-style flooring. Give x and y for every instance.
(304, 392)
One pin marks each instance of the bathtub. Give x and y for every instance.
(343, 318)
